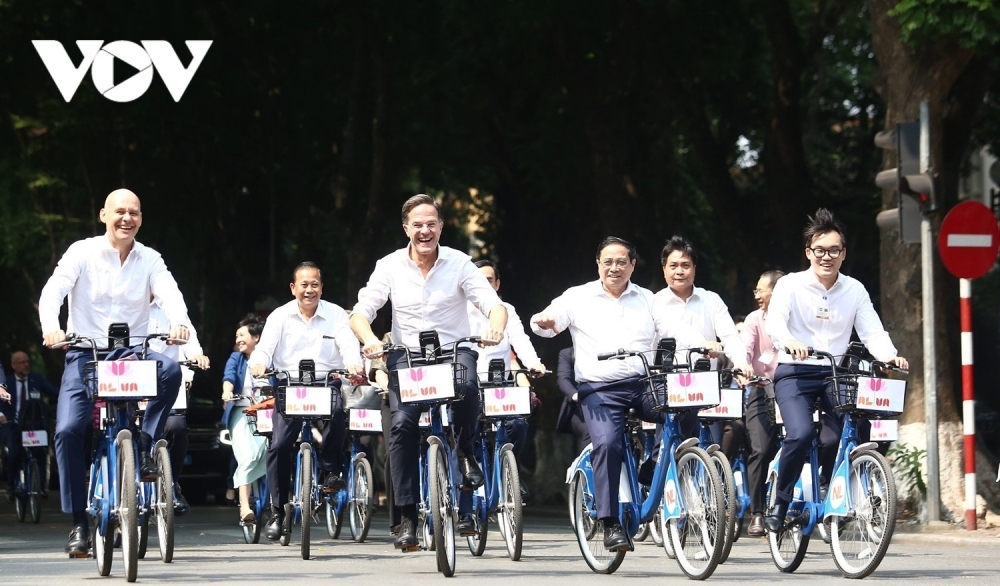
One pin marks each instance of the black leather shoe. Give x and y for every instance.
(407, 540)
(471, 471)
(646, 472)
(615, 538)
(334, 482)
(466, 525)
(774, 521)
(756, 528)
(181, 506)
(147, 468)
(274, 525)
(79, 542)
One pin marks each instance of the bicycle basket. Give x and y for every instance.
(433, 383)
(305, 402)
(683, 391)
(260, 422)
(866, 396)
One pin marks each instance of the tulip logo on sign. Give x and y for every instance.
(500, 394)
(300, 392)
(875, 384)
(416, 374)
(100, 60)
(118, 367)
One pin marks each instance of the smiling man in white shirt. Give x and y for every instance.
(305, 328)
(109, 279)
(430, 287)
(815, 308)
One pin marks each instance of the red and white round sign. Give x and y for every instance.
(969, 240)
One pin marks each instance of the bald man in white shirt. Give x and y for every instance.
(109, 279)
(816, 308)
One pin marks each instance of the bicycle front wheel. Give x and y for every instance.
(859, 541)
(510, 503)
(305, 489)
(441, 510)
(697, 535)
(725, 470)
(361, 504)
(34, 492)
(788, 546)
(590, 530)
(165, 505)
(128, 508)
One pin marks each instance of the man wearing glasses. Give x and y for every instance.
(815, 308)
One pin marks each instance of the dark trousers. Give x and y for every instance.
(605, 408)
(517, 433)
(74, 414)
(762, 437)
(796, 389)
(330, 456)
(404, 435)
(571, 420)
(176, 434)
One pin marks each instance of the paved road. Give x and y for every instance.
(210, 548)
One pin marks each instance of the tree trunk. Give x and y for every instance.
(911, 75)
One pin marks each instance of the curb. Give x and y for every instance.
(952, 535)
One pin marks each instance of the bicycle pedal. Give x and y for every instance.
(79, 555)
(409, 549)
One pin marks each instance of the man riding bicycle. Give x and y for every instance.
(109, 279)
(816, 308)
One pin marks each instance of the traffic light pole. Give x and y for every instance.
(930, 349)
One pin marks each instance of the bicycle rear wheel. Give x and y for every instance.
(251, 531)
(655, 529)
(21, 496)
(144, 534)
(509, 516)
(859, 542)
(305, 489)
(165, 505)
(334, 518)
(441, 510)
(361, 505)
(788, 546)
(34, 492)
(697, 535)
(590, 531)
(725, 470)
(128, 507)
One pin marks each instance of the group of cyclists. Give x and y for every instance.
(112, 278)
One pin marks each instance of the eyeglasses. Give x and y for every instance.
(620, 263)
(819, 252)
(759, 291)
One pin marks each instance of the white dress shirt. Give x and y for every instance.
(803, 309)
(435, 302)
(289, 337)
(514, 337)
(706, 314)
(102, 290)
(599, 323)
(158, 324)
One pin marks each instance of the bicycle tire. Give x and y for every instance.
(441, 510)
(589, 531)
(697, 535)
(165, 505)
(144, 534)
(20, 497)
(34, 492)
(286, 525)
(477, 541)
(426, 536)
(251, 531)
(334, 520)
(859, 543)
(788, 546)
(104, 543)
(305, 489)
(128, 507)
(361, 504)
(510, 515)
(725, 470)
(668, 546)
(655, 531)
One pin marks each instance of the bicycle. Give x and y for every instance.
(120, 381)
(431, 380)
(500, 493)
(258, 414)
(685, 482)
(28, 480)
(860, 505)
(363, 405)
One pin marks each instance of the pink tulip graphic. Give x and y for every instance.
(362, 413)
(500, 393)
(416, 374)
(875, 384)
(31, 434)
(684, 379)
(300, 392)
(119, 368)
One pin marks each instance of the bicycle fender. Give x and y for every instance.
(712, 449)
(865, 446)
(435, 441)
(358, 456)
(123, 434)
(689, 442)
(161, 443)
(506, 448)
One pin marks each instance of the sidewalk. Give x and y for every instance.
(945, 533)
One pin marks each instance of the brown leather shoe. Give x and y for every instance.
(756, 528)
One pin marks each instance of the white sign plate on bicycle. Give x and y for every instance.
(885, 430)
(365, 420)
(34, 438)
(730, 405)
(504, 401)
(693, 389)
(425, 417)
(308, 401)
(126, 379)
(181, 404)
(881, 394)
(648, 426)
(264, 422)
(426, 383)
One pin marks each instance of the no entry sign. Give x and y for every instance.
(969, 240)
